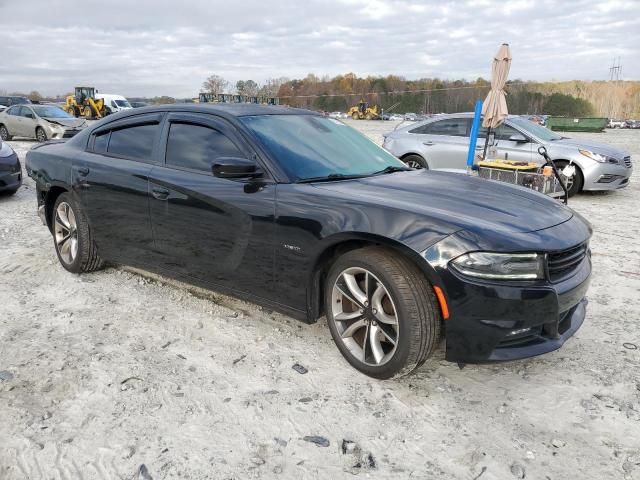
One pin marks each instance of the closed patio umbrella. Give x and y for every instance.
(494, 108)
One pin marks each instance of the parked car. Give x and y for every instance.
(7, 101)
(10, 170)
(396, 117)
(114, 103)
(306, 215)
(616, 123)
(42, 122)
(138, 104)
(443, 143)
(411, 117)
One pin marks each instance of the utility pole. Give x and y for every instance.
(615, 70)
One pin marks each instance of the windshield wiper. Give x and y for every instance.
(392, 169)
(329, 178)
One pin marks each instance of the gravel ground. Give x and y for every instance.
(103, 373)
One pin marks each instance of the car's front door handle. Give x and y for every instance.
(428, 144)
(84, 171)
(160, 193)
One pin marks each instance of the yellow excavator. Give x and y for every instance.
(85, 104)
(364, 111)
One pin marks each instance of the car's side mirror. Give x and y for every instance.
(518, 138)
(235, 167)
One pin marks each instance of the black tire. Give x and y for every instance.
(415, 161)
(4, 133)
(412, 298)
(578, 179)
(86, 258)
(41, 135)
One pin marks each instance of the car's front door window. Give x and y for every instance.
(196, 146)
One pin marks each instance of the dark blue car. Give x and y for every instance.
(10, 170)
(302, 213)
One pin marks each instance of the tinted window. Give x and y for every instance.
(134, 142)
(100, 142)
(453, 127)
(195, 146)
(4, 101)
(26, 112)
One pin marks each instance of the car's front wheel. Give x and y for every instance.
(72, 238)
(41, 135)
(573, 183)
(382, 312)
(415, 161)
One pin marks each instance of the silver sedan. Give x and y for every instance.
(42, 122)
(442, 142)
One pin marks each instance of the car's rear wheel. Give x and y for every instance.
(415, 161)
(41, 135)
(576, 181)
(355, 116)
(381, 311)
(4, 133)
(72, 238)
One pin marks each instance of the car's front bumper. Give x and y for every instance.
(606, 176)
(492, 322)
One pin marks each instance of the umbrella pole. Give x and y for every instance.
(486, 143)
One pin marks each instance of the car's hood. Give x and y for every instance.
(460, 200)
(595, 147)
(67, 122)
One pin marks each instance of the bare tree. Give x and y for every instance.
(215, 84)
(247, 87)
(35, 96)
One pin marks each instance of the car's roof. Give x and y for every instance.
(226, 109)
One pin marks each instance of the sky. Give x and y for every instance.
(154, 47)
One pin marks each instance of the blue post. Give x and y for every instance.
(473, 138)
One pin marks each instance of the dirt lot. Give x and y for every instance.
(102, 373)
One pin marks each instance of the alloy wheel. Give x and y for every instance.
(365, 316)
(4, 134)
(414, 164)
(40, 135)
(66, 233)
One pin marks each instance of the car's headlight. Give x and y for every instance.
(594, 156)
(501, 266)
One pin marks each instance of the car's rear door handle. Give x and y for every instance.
(160, 193)
(428, 144)
(84, 171)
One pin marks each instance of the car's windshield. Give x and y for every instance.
(47, 111)
(307, 146)
(122, 103)
(539, 131)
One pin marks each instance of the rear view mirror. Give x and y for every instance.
(518, 138)
(235, 167)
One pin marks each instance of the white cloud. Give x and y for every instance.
(152, 47)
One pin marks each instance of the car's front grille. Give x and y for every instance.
(563, 263)
(627, 161)
(69, 133)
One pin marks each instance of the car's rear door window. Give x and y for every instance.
(133, 142)
(196, 146)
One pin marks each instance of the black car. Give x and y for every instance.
(138, 104)
(10, 170)
(302, 213)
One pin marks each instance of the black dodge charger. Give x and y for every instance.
(302, 213)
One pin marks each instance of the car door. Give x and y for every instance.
(14, 122)
(444, 143)
(216, 230)
(111, 178)
(506, 148)
(28, 122)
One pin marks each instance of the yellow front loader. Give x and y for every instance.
(364, 111)
(85, 104)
